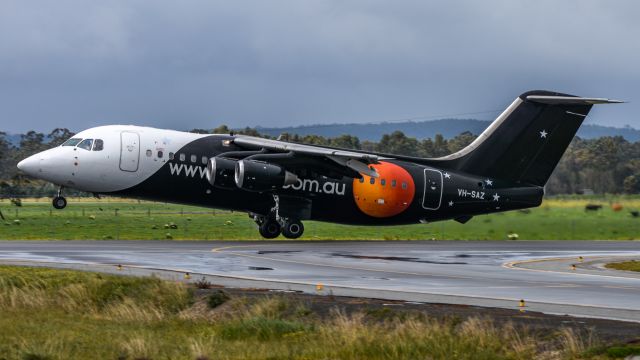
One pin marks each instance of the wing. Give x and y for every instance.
(345, 162)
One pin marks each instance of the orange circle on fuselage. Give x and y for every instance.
(388, 195)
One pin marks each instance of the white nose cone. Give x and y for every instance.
(29, 165)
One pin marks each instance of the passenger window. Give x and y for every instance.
(98, 145)
(383, 182)
(182, 157)
(171, 156)
(362, 179)
(204, 160)
(72, 142)
(404, 185)
(160, 154)
(372, 180)
(86, 144)
(149, 153)
(194, 158)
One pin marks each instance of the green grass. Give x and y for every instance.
(110, 219)
(56, 314)
(632, 265)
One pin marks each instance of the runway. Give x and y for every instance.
(479, 273)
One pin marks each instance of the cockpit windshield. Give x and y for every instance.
(72, 142)
(86, 144)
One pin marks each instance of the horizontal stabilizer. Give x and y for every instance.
(570, 100)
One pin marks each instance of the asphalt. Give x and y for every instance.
(479, 273)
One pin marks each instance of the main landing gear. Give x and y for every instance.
(59, 202)
(270, 227)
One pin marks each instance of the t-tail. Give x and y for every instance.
(525, 143)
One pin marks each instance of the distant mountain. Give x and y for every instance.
(427, 129)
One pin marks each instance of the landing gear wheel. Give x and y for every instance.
(59, 202)
(292, 229)
(269, 229)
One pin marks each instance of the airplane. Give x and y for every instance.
(280, 184)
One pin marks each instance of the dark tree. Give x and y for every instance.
(58, 136)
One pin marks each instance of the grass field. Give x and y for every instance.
(56, 314)
(632, 265)
(128, 219)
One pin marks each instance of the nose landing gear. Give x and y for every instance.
(59, 202)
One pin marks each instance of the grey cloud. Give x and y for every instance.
(201, 63)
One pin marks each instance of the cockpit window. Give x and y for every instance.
(86, 144)
(98, 145)
(72, 142)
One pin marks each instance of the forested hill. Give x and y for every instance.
(449, 128)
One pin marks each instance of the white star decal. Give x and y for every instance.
(450, 203)
(543, 134)
(447, 175)
(489, 182)
(496, 197)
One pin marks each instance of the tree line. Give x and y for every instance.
(602, 165)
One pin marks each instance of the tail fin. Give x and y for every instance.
(525, 143)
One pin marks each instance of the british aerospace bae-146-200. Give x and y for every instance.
(280, 183)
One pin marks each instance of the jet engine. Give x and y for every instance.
(253, 175)
(220, 172)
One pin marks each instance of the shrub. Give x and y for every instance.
(203, 284)
(217, 298)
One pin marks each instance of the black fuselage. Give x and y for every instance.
(438, 194)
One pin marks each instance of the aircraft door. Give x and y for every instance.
(129, 151)
(432, 189)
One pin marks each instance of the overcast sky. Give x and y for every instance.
(188, 64)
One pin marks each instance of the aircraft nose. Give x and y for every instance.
(29, 165)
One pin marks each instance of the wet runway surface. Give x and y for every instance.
(484, 273)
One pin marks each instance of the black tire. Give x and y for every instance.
(270, 229)
(292, 229)
(59, 202)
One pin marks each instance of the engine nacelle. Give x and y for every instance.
(261, 176)
(220, 172)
